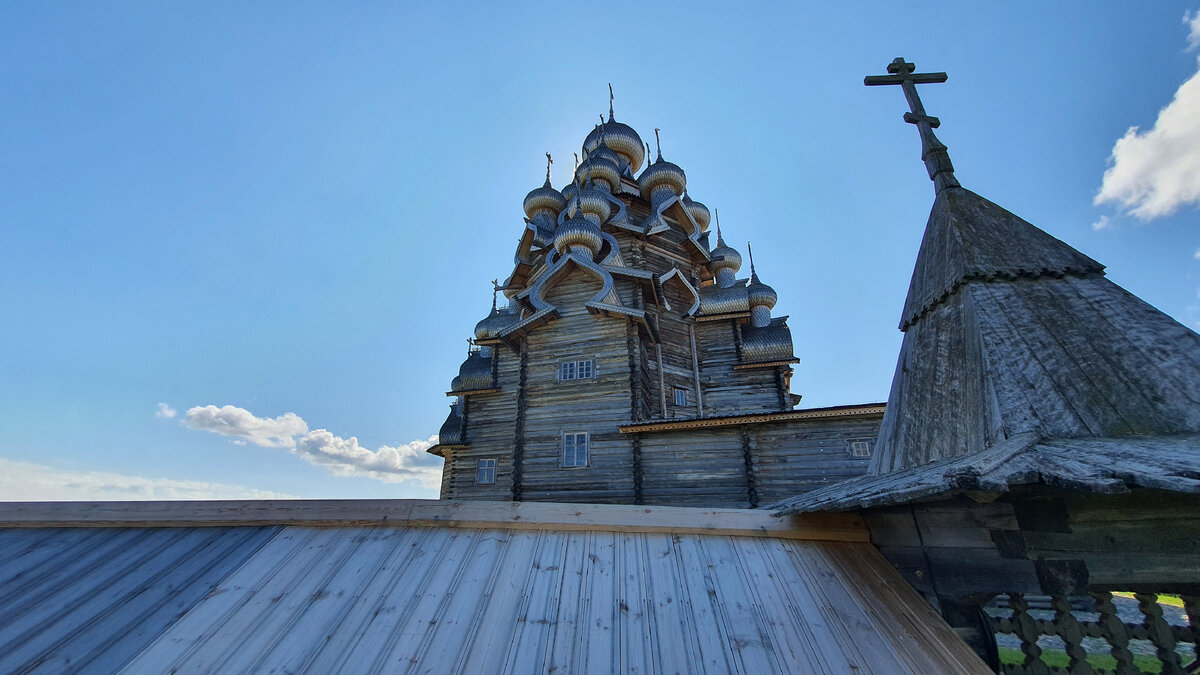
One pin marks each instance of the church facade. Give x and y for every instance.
(631, 364)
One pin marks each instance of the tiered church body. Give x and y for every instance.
(630, 364)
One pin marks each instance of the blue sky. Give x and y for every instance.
(296, 208)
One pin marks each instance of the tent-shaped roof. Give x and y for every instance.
(1013, 343)
(474, 587)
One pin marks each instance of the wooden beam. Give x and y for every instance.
(436, 513)
(840, 412)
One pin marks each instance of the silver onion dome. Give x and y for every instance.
(579, 235)
(621, 139)
(697, 211)
(725, 262)
(601, 166)
(759, 294)
(544, 200)
(492, 324)
(594, 204)
(568, 192)
(662, 178)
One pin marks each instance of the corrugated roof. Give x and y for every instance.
(451, 598)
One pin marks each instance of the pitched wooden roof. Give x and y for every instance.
(1011, 334)
(374, 586)
(969, 238)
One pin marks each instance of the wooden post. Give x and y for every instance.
(696, 371)
(662, 382)
(518, 455)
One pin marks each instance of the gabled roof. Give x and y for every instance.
(465, 587)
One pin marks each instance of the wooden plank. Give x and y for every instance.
(440, 513)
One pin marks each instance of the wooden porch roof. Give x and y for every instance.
(478, 587)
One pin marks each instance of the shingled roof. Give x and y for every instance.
(1014, 339)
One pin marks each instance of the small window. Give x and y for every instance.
(860, 448)
(485, 472)
(575, 449)
(577, 370)
(681, 396)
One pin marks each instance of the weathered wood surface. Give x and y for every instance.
(1052, 348)
(968, 237)
(436, 599)
(444, 513)
(1098, 465)
(1041, 542)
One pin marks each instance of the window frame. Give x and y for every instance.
(587, 450)
(687, 396)
(569, 371)
(480, 468)
(867, 443)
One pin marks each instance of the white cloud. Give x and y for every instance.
(1154, 173)
(1197, 256)
(165, 411)
(340, 456)
(345, 457)
(245, 426)
(1192, 21)
(1103, 224)
(24, 482)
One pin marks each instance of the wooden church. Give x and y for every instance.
(630, 364)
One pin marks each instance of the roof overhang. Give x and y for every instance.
(836, 412)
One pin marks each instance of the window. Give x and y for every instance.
(575, 449)
(577, 370)
(681, 396)
(485, 472)
(860, 448)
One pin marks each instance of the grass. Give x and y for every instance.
(1173, 600)
(1058, 658)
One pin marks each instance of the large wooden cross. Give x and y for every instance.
(933, 151)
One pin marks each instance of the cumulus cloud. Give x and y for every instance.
(1104, 223)
(1156, 172)
(25, 482)
(165, 411)
(340, 456)
(245, 426)
(345, 457)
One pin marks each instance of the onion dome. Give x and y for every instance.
(697, 211)
(495, 322)
(725, 262)
(544, 200)
(492, 324)
(621, 139)
(759, 294)
(543, 204)
(568, 192)
(593, 203)
(601, 166)
(662, 179)
(578, 234)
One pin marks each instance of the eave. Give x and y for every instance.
(835, 412)
(766, 364)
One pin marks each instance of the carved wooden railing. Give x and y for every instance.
(1108, 626)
